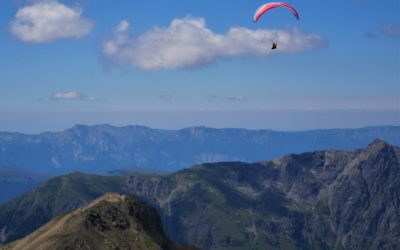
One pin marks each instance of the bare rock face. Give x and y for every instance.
(318, 200)
(112, 221)
(364, 200)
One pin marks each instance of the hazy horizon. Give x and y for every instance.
(287, 120)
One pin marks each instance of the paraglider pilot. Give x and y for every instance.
(269, 6)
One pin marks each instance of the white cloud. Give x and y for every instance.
(46, 21)
(237, 98)
(189, 43)
(72, 95)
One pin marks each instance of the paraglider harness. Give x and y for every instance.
(274, 46)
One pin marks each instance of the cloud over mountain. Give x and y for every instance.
(189, 43)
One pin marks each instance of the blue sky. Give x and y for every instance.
(177, 63)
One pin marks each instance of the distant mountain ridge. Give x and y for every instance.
(14, 182)
(317, 200)
(103, 148)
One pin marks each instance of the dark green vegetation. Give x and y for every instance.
(102, 148)
(112, 221)
(318, 200)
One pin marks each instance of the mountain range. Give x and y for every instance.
(317, 200)
(104, 148)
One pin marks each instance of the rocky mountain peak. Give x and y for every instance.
(378, 144)
(112, 221)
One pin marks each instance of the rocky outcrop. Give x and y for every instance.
(112, 221)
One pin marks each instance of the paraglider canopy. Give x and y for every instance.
(269, 6)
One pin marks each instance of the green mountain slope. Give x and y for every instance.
(112, 221)
(318, 200)
(23, 215)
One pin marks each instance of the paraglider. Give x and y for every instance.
(269, 6)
